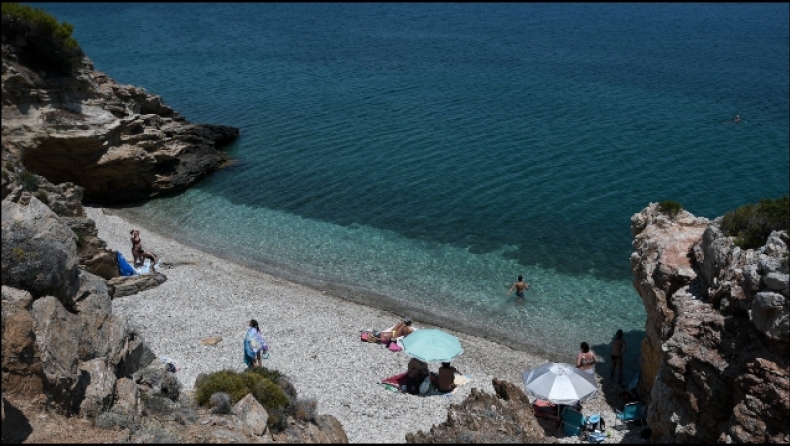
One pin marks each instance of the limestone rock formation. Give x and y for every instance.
(39, 251)
(506, 417)
(64, 354)
(117, 142)
(65, 200)
(715, 361)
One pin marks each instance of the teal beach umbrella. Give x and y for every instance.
(432, 345)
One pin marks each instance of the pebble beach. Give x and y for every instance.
(313, 338)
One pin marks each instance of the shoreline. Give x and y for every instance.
(313, 334)
(351, 293)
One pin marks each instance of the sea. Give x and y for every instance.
(418, 157)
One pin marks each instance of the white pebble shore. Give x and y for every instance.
(313, 336)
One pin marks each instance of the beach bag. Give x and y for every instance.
(124, 267)
(426, 385)
(596, 437)
(544, 409)
(394, 347)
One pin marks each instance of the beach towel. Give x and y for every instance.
(400, 380)
(124, 267)
(254, 342)
(145, 268)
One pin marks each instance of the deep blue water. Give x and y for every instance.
(418, 157)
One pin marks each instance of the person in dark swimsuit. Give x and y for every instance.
(139, 254)
(137, 246)
(519, 286)
(617, 352)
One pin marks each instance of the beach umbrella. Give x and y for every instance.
(432, 345)
(559, 383)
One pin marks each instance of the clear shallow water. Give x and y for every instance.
(419, 157)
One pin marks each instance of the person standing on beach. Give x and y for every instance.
(139, 254)
(617, 352)
(519, 286)
(254, 344)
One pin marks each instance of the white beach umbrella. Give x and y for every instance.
(559, 383)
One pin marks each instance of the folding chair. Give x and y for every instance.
(630, 412)
(572, 422)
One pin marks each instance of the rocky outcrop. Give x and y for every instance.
(85, 136)
(117, 142)
(714, 363)
(65, 200)
(506, 417)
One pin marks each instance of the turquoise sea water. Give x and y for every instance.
(418, 157)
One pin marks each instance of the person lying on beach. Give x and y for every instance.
(401, 329)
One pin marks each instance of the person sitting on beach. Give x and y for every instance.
(585, 360)
(447, 378)
(139, 254)
(416, 372)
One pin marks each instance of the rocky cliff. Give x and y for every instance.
(715, 359)
(64, 354)
(117, 142)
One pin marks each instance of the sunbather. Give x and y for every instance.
(403, 328)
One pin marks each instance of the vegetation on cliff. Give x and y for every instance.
(269, 387)
(43, 43)
(752, 224)
(670, 207)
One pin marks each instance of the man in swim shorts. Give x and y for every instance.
(519, 286)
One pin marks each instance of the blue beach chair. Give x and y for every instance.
(572, 422)
(630, 412)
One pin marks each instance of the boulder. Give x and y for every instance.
(21, 359)
(125, 397)
(155, 379)
(57, 334)
(771, 315)
(250, 411)
(486, 418)
(128, 285)
(97, 383)
(39, 252)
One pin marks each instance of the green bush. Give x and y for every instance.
(48, 46)
(42, 197)
(752, 224)
(28, 180)
(238, 385)
(670, 207)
